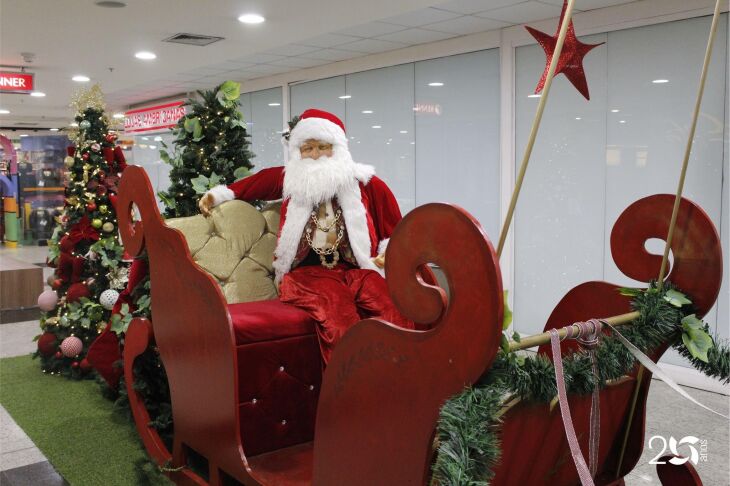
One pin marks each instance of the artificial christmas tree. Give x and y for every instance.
(211, 148)
(85, 248)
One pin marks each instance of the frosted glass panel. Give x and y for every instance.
(267, 118)
(627, 144)
(323, 94)
(457, 134)
(559, 227)
(384, 138)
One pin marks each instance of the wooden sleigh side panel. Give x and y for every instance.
(195, 345)
(383, 388)
(697, 270)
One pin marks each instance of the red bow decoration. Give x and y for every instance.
(82, 231)
(69, 268)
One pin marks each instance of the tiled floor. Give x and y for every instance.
(21, 463)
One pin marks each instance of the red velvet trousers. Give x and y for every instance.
(338, 298)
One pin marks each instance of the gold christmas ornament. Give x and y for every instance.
(96, 223)
(108, 227)
(103, 209)
(68, 161)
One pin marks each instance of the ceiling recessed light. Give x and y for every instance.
(54, 129)
(158, 139)
(80, 78)
(4, 112)
(118, 115)
(404, 131)
(145, 138)
(23, 134)
(251, 19)
(73, 124)
(38, 94)
(622, 121)
(367, 112)
(578, 118)
(345, 97)
(660, 81)
(153, 147)
(435, 84)
(146, 55)
(274, 104)
(377, 126)
(110, 4)
(614, 110)
(534, 95)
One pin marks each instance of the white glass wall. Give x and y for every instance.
(263, 113)
(430, 128)
(594, 158)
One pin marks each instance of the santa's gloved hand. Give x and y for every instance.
(379, 260)
(206, 204)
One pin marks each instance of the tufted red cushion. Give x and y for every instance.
(267, 320)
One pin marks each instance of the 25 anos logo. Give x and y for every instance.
(697, 450)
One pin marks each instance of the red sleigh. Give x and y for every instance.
(261, 412)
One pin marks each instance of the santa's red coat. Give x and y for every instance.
(371, 235)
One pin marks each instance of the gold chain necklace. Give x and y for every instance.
(331, 250)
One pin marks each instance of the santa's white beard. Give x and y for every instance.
(309, 182)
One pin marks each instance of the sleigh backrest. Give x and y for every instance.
(235, 245)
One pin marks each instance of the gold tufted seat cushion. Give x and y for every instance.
(236, 246)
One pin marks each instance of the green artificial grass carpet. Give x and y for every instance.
(72, 424)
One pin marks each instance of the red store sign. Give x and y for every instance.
(153, 117)
(16, 82)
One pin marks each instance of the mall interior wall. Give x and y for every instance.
(447, 121)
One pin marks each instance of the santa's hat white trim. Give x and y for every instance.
(317, 129)
(221, 194)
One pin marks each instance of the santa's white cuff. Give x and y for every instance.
(383, 245)
(221, 194)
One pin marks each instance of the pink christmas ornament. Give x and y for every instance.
(47, 300)
(71, 346)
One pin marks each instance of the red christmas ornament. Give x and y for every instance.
(91, 206)
(57, 284)
(570, 62)
(101, 174)
(84, 365)
(76, 291)
(85, 156)
(58, 355)
(47, 343)
(111, 137)
(75, 364)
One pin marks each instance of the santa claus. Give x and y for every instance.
(336, 220)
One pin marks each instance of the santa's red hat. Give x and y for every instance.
(318, 125)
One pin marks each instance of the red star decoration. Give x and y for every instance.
(571, 57)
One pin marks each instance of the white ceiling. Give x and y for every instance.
(72, 37)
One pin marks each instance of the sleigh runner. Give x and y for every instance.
(245, 378)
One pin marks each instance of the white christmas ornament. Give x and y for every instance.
(108, 298)
(71, 346)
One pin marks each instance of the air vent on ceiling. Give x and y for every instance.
(193, 39)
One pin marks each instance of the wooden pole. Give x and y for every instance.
(690, 139)
(535, 126)
(544, 338)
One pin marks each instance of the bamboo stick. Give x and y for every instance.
(690, 140)
(535, 126)
(544, 338)
(634, 399)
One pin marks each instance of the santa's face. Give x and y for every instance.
(313, 149)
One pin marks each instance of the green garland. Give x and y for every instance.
(468, 429)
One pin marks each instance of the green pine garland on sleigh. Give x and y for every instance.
(468, 429)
